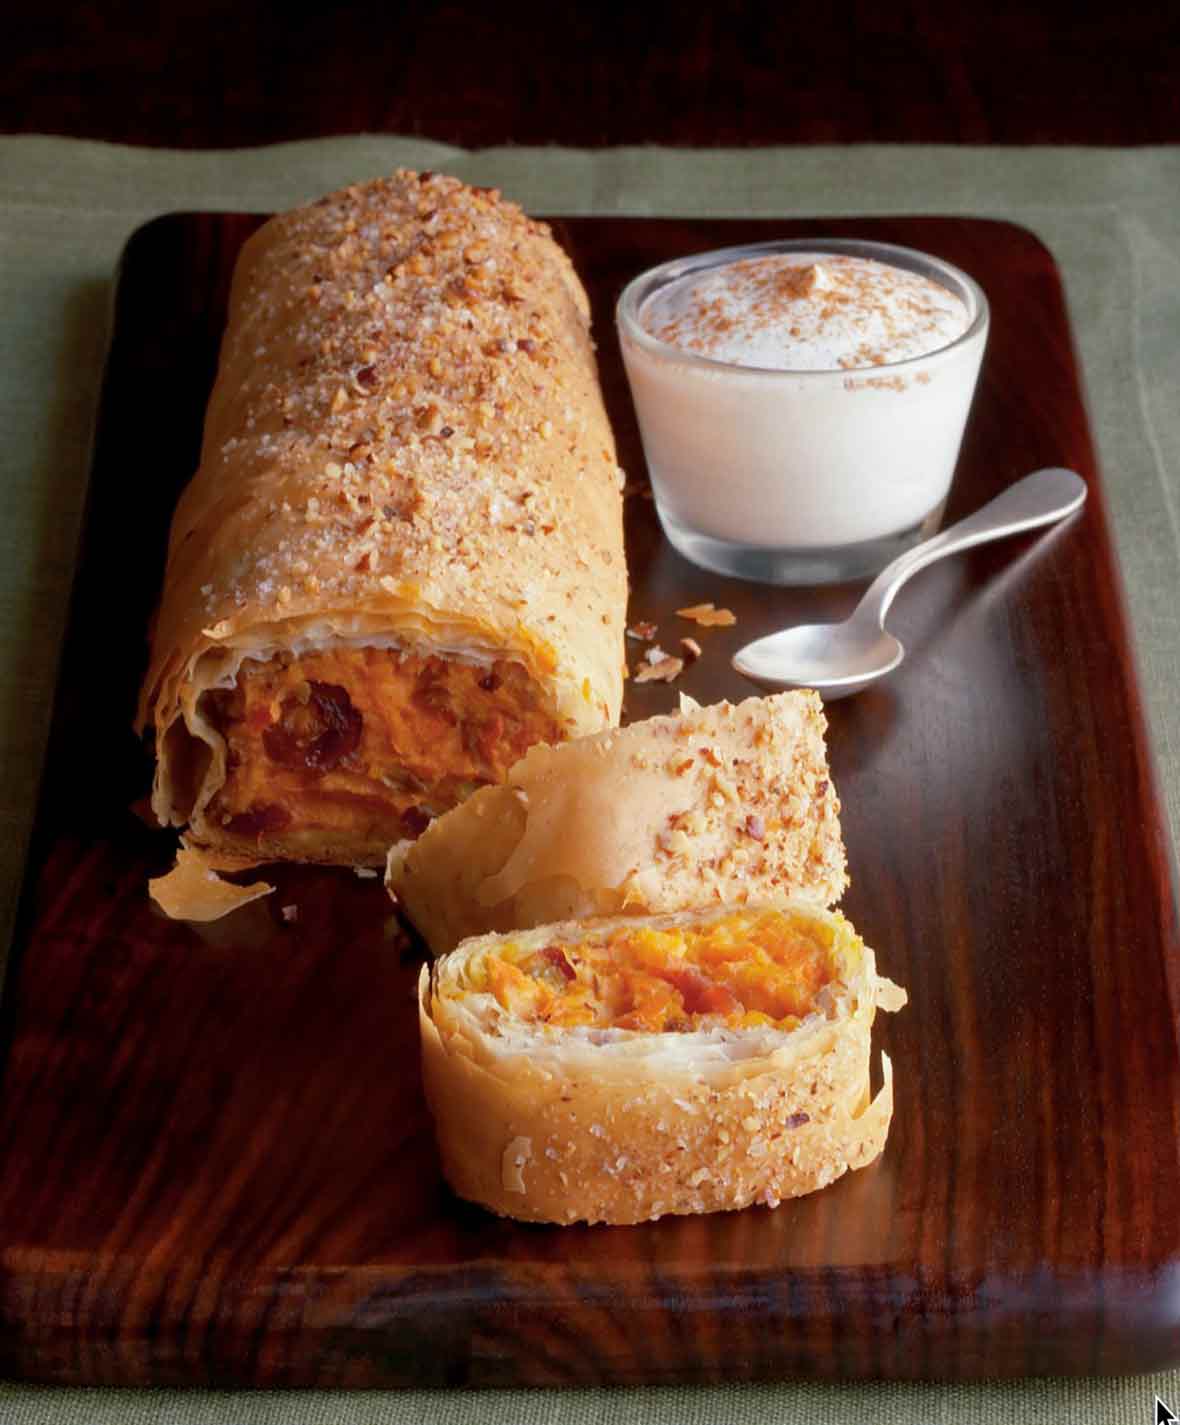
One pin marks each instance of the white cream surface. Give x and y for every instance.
(803, 433)
(806, 312)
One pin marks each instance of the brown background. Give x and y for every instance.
(218, 74)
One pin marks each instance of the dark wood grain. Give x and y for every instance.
(215, 1162)
(209, 73)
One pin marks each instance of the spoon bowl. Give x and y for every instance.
(839, 659)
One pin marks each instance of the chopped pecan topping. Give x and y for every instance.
(708, 616)
(642, 630)
(662, 671)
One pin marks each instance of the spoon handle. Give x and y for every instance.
(1041, 498)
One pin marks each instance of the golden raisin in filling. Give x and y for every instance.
(366, 744)
(748, 968)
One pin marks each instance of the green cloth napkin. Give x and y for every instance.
(1111, 218)
(1058, 1402)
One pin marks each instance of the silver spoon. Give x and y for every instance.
(842, 658)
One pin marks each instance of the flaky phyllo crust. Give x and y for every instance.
(584, 1123)
(709, 806)
(405, 448)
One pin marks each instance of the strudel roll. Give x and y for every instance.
(623, 1069)
(712, 805)
(400, 562)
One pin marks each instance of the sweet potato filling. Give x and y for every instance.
(365, 745)
(746, 968)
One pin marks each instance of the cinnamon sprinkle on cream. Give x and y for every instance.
(806, 312)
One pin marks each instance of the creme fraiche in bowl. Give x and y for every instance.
(802, 403)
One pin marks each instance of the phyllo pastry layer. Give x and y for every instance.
(400, 562)
(709, 806)
(618, 1070)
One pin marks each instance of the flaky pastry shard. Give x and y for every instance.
(625, 1069)
(711, 805)
(400, 562)
(193, 890)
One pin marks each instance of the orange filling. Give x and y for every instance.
(365, 745)
(747, 968)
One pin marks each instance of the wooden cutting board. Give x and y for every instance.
(216, 1166)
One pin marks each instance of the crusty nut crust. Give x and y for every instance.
(723, 804)
(621, 1127)
(406, 444)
